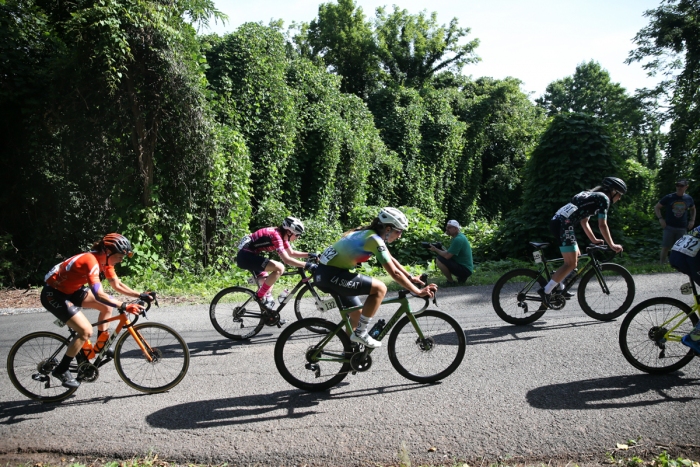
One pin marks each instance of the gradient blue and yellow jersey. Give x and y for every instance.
(355, 248)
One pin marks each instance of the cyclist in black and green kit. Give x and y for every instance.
(579, 210)
(357, 246)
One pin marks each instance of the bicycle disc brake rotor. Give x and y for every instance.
(87, 372)
(425, 345)
(360, 362)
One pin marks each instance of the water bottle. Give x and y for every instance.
(283, 295)
(100, 342)
(377, 328)
(570, 277)
(88, 350)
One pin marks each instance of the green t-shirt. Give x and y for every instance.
(462, 251)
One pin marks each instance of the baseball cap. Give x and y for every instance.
(453, 223)
(682, 181)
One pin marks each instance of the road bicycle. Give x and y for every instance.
(606, 290)
(424, 346)
(650, 334)
(237, 313)
(149, 357)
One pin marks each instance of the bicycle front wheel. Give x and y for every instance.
(294, 349)
(515, 298)
(651, 332)
(606, 306)
(236, 314)
(30, 363)
(169, 358)
(434, 356)
(311, 302)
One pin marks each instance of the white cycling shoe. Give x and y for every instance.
(366, 340)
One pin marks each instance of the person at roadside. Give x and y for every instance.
(457, 259)
(65, 292)
(678, 217)
(685, 258)
(334, 274)
(277, 239)
(596, 201)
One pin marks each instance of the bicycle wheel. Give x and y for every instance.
(645, 339)
(293, 355)
(435, 356)
(236, 314)
(30, 363)
(311, 302)
(513, 301)
(599, 305)
(168, 351)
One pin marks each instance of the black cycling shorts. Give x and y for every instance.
(63, 306)
(251, 262)
(346, 284)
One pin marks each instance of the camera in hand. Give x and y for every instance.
(437, 245)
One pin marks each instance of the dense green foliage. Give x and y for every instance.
(115, 115)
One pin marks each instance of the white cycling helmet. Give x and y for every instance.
(394, 218)
(294, 225)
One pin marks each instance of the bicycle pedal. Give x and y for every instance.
(41, 378)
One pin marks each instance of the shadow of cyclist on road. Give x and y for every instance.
(614, 392)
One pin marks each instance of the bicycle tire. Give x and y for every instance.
(171, 358)
(293, 346)
(234, 309)
(432, 359)
(641, 336)
(621, 286)
(504, 296)
(28, 358)
(305, 306)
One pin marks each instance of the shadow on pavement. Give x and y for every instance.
(256, 408)
(222, 345)
(612, 392)
(509, 332)
(19, 411)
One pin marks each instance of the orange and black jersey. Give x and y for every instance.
(75, 272)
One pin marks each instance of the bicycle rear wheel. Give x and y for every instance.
(311, 302)
(293, 355)
(432, 358)
(516, 302)
(170, 358)
(645, 339)
(30, 363)
(236, 314)
(599, 305)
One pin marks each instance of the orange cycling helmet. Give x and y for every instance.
(118, 243)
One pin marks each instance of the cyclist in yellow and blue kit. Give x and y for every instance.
(685, 258)
(334, 273)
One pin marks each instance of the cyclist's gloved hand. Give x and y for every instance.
(134, 308)
(147, 297)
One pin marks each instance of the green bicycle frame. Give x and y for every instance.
(405, 308)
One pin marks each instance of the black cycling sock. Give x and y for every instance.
(64, 365)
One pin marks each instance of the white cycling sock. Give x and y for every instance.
(550, 286)
(362, 327)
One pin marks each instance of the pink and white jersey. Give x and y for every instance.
(267, 239)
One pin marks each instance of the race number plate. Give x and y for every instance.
(538, 256)
(688, 245)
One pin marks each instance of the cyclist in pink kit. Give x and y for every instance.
(277, 239)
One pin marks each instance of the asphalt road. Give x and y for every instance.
(557, 389)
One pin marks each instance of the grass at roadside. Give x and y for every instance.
(629, 454)
(200, 288)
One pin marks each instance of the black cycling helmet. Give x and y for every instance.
(118, 243)
(614, 183)
(294, 225)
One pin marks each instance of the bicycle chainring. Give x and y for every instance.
(360, 362)
(87, 373)
(271, 318)
(557, 302)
